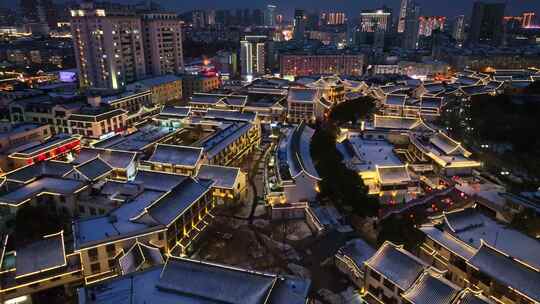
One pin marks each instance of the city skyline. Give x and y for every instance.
(446, 8)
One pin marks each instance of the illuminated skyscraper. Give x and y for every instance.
(458, 28)
(375, 20)
(333, 18)
(528, 19)
(403, 14)
(108, 46)
(162, 43)
(374, 24)
(427, 24)
(117, 46)
(270, 15)
(410, 35)
(252, 56)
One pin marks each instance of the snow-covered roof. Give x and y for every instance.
(183, 156)
(431, 288)
(114, 158)
(43, 255)
(397, 265)
(200, 282)
(302, 95)
(94, 168)
(507, 271)
(393, 175)
(56, 185)
(223, 177)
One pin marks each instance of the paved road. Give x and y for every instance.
(254, 172)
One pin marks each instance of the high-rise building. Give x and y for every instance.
(222, 17)
(117, 46)
(410, 34)
(306, 64)
(458, 28)
(39, 11)
(428, 24)
(258, 17)
(373, 26)
(312, 21)
(108, 46)
(211, 17)
(486, 23)
(252, 56)
(402, 15)
(299, 24)
(333, 18)
(375, 20)
(162, 43)
(198, 19)
(270, 15)
(528, 19)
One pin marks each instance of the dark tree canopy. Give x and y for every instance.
(499, 119)
(33, 222)
(533, 88)
(352, 110)
(400, 229)
(339, 184)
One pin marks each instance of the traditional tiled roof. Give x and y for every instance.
(61, 186)
(94, 169)
(120, 223)
(400, 123)
(434, 88)
(158, 181)
(393, 174)
(139, 255)
(214, 99)
(175, 111)
(397, 265)
(30, 172)
(231, 115)
(194, 282)
(391, 89)
(302, 95)
(507, 271)
(299, 153)
(54, 142)
(468, 296)
(214, 283)
(43, 255)
(431, 102)
(448, 145)
(449, 241)
(115, 159)
(223, 177)
(357, 250)
(175, 202)
(431, 288)
(472, 227)
(184, 156)
(160, 80)
(395, 100)
(222, 138)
